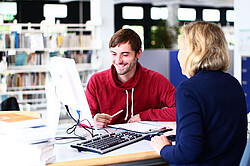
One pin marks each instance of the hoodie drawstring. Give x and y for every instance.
(126, 117)
(132, 105)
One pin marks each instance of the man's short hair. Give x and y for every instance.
(123, 36)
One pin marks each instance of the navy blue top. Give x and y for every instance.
(211, 117)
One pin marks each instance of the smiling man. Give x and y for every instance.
(128, 92)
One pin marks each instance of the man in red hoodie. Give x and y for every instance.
(133, 92)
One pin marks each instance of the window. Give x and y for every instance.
(230, 15)
(211, 15)
(54, 10)
(8, 8)
(158, 13)
(132, 12)
(187, 14)
(138, 29)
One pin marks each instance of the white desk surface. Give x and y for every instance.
(66, 155)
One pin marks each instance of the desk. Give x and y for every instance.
(139, 153)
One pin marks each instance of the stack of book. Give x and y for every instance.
(25, 140)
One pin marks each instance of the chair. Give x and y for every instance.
(10, 104)
(245, 160)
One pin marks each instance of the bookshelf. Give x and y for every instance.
(25, 50)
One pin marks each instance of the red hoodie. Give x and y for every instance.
(148, 93)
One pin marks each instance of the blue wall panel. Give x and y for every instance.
(246, 79)
(176, 76)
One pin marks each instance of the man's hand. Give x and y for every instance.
(135, 118)
(102, 120)
(158, 142)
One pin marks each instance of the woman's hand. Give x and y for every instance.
(158, 142)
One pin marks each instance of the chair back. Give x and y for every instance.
(245, 160)
(10, 104)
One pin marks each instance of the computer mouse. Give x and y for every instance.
(170, 137)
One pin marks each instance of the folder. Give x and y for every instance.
(143, 127)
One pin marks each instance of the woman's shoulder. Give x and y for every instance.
(208, 79)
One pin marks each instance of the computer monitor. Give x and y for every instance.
(68, 87)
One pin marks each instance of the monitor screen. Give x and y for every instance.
(68, 87)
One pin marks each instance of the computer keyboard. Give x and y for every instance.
(105, 143)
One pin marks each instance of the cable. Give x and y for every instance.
(73, 128)
(77, 121)
(79, 124)
(61, 138)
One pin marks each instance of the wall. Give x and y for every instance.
(165, 62)
(157, 60)
(103, 11)
(242, 14)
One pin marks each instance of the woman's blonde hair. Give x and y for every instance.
(207, 48)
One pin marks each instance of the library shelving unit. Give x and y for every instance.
(25, 50)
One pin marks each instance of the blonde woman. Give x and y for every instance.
(211, 112)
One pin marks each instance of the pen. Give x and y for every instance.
(116, 113)
(150, 123)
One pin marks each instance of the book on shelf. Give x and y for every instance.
(21, 59)
(36, 41)
(16, 40)
(7, 40)
(25, 41)
(2, 41)
(59, 41)
(26, 79)
(72, 39)
(12, 40)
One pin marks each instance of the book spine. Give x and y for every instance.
(16, 40)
